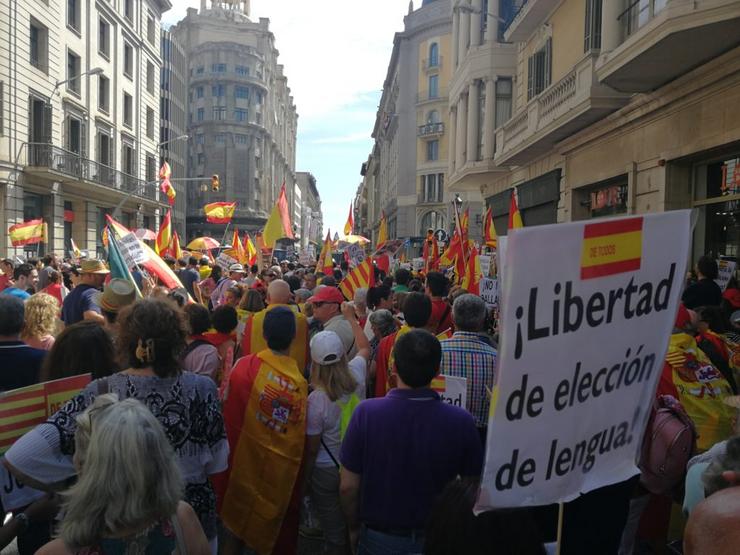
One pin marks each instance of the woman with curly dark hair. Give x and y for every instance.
(150, 344)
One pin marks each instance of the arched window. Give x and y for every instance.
(433, 55)
(433, 116)
(432, 220)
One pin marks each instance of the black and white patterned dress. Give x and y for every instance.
(189, 410)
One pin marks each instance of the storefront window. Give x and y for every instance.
(608, 201)
(33, 208)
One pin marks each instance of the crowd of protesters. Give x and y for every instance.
(256, 404)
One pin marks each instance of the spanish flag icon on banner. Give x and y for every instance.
(611, 247)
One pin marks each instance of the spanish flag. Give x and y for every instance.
(350, 225)
(27, 233)
(515, 217)
(250, 249)
(489, 230)
(382, 231)
(611, 247)
(326, 263)
(361, 276)
(175, 249)
(219, 212)
(278, 224)
(471, 279)
(166, 186)
(237, 249)
(430, 252)
(164, 236)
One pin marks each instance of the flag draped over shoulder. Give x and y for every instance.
(219, 212)
(166, 186)
(489, 230)
(27, 233)
(164, 236)
(326, 263)
(361, 276)
(278, 225)
(350, 225)
(515, 217)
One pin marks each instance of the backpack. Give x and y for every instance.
(668, 444)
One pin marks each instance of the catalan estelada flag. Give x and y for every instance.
(26, 233)
(219, 212)
(611, 247)
(23, 409)
(361, 276)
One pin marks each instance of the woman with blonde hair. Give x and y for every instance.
(127, 497)
(339, 385)
(41, 321)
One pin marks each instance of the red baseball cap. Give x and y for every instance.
(327, 294)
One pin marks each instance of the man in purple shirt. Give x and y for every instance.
(400, 451)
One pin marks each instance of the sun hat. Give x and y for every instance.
(326, 347)
(93, 266)
(237, 268)
(327, 295)
(116, 294)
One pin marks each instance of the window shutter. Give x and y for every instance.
(67, 142)
(47, 122)
(588, 28)
(530, 78)
(548, 63)
(83, 139)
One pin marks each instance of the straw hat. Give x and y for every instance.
(116, 294)
(93, 267)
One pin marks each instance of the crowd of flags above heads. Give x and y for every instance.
(461, 253)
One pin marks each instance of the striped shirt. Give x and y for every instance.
(466, 355)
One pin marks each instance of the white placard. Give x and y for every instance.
(485, 264)
(356, 255)
(581, 352)
(726, 271)
(15, 495)
(131, 250)
(417, 264)
(452, 390)
(489, 291)
(224, 260)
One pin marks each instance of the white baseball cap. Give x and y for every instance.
(326, 348)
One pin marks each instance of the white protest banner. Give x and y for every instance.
(726, 271)
(581, 353)
(417, 264)
(452, 390)
(131, 249)
(224, 260)
(489, 290)
(485, 264)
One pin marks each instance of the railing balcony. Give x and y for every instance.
(653, 42)
(565, 107)
(431, 95)
(71, 164)
(431, 129)
(530, 15)
(431, 64)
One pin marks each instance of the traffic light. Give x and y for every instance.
(215, 183)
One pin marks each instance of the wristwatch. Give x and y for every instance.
(22, 518)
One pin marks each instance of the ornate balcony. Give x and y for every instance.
(431, 130)
(565, 107)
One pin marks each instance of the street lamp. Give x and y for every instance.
(93, 71)
(180, 138)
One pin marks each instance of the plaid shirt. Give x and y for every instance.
(465, 355)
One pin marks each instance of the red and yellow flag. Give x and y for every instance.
(164, 236)
(471, 279)
(515, 217)
(382, 231)
(278, 225)
(326, 263)
(219, 212)
(430, 252)
(350, 225)
(174, 247)
(611, 247)
(27, 233)
(489, 230)
(166, 186)
(250, 249)
(361, 276)
(237, 249)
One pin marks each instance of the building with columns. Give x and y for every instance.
(79, 118)
(409, 157)
(484, 67)
(310, 222)
(242, 121)
(624, 108)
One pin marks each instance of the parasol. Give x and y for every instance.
(203, 244)
(145, 234)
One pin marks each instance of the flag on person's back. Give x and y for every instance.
(27, 233)
(164, 236)
(515, 217)
(166, 186)
(471, 279)
(361, 276)
(219, 212)
(278, 225)
(489, 230)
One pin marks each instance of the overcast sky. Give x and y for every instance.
(335, 54)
